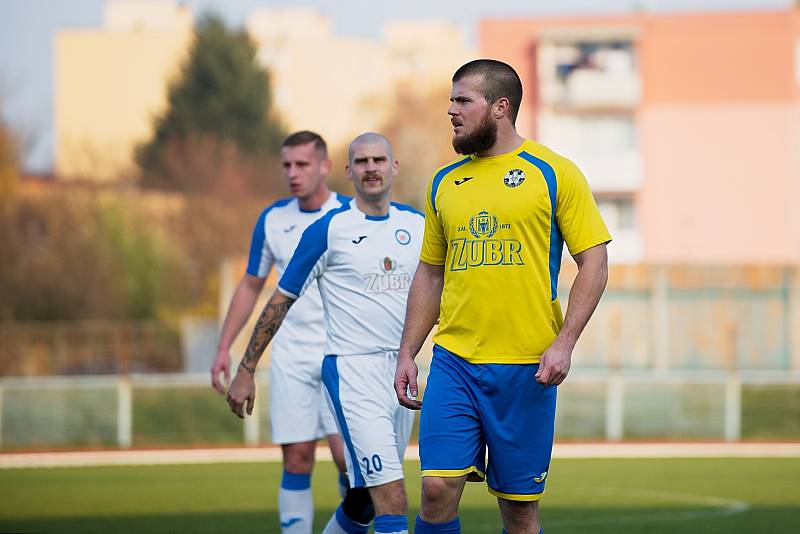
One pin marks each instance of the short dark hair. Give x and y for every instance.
(498, 80)
(303, 137)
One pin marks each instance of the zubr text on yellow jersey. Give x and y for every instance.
(484, 250)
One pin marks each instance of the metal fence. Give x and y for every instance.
(673, 352)
(693, 317)
(182, 410)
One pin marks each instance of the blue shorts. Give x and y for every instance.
(468, 408)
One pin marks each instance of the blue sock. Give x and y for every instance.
(295, 481)
(391, 524)
(341, 524)
(448, 527)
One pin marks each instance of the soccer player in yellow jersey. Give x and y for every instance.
(495, 224)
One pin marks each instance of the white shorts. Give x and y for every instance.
(297, 405)
(374, 427)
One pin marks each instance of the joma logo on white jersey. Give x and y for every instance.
(380, 283)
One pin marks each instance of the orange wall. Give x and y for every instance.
(719, 134)
(714, 58)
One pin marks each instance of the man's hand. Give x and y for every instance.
(243, 389)
(583, 298)
(222, 364)
(405, 380)
(554, 365)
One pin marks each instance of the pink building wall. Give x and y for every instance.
(717, 183)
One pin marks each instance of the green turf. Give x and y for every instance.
(583, 496)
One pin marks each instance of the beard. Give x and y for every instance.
(480, 139)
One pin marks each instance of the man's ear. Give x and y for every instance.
(501, 108)
(326, 166)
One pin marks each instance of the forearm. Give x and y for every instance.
(241, 306)
(267, 325)
(422, 308)
(585, 294)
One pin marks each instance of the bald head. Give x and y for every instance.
(370, 138)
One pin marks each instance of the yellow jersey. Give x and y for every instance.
(498, 225)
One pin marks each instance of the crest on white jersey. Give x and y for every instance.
(403, 236)
(388, 264)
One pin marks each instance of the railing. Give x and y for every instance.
(183, 410)
(672, 352)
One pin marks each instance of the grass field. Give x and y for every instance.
(652, 496)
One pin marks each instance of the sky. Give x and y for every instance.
(28, 28)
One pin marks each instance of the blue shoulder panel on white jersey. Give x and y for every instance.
(313, 244)
(343, 199)
(406, 207)
(257, 241)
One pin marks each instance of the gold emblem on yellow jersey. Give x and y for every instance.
(484, 251)
(483, 224)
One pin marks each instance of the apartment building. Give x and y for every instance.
(686, 125)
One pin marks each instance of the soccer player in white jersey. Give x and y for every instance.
(363, 256)
(299, 413)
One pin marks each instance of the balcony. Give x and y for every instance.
(585, 75)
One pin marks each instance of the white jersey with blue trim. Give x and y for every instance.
(364, 266)
(275, 237)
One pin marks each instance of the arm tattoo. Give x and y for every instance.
(266, 326)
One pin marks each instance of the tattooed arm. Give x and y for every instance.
(243, 387)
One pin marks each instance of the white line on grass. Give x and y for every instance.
(718, 506)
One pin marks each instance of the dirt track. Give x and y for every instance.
(272, 454)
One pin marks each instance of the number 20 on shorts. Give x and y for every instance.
(377, 465)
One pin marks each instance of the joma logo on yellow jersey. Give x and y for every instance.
(479, 252)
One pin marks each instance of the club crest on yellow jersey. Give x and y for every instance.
(483, 250)
(483, 224)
